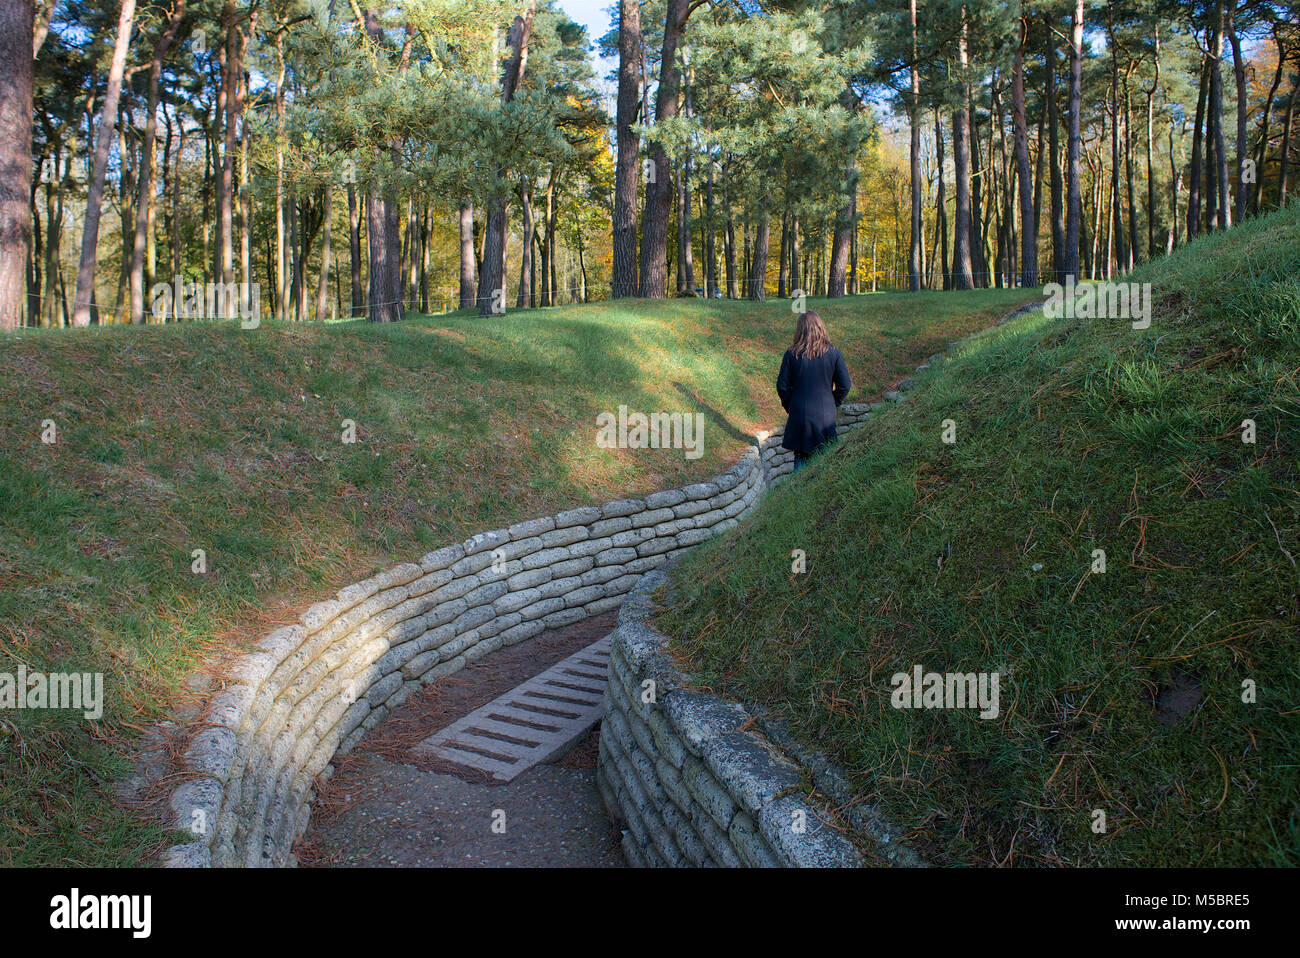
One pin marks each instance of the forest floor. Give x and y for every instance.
(1113, 532)
(198, 490)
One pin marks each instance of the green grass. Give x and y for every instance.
(1072, 436)
(207, 436)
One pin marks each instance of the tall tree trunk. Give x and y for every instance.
(208, 165)
(380, 310)
(758, 272)
(837, 276)
(961, 241)
(1040, 154)
(144, 192)
(410, 254)
(961, 253)
(546, 260)
(914, 171)
(379, 306)
(45, 307)
(1151, 180)
(685, 253)
(533, 300)
(1211, 191)
(245, 191)
(624, 278)
(1112, 217)
(1092, 245)
(218, 119)
(492, 279)
(322, 287)
(125, 194)
(281, 233)
(32, 277)
(729, 254)
(226, 190)
(1175, 177)
(654, 222)
(478, 223)
(978, 226)
(396, 279)
(1198, 141)
(466, 254)
(174, 234)
(151, 228)
(582, 272)
(1054, 156)
(95, 190)
(710, 240)
(354, 253)
(1116, 218)
(1133, 257)
(783, 260)
(745, 263)
(1028, 234)
(1074, 200)
(796, 274)
(383, 227)
(425, 233)
(853, 246)
(1239, 74)
(16, 108)
(392, 207)
(294, 256)
(1006, 226)
(1216, 120)
(1286, 142)
(940, 204)
(526, 243)
(544, 293)
(1261, 148)
(552, 224)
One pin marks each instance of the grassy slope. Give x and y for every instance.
(1072, 435)
(207, 436)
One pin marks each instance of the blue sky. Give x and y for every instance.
(590, 13)
(593, 14)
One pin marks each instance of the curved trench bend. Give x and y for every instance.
(311, 724)
(392, 804)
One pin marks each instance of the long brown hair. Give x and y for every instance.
(810, 337)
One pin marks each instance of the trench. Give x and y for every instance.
(391, 805)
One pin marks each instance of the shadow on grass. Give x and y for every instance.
(717, 418)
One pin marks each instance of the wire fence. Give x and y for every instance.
(244, 303)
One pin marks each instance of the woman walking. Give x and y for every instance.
(814, 380)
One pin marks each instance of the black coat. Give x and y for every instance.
(811, 390)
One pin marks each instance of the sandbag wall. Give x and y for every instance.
(778, 462)
(690, 777)
(311, 690)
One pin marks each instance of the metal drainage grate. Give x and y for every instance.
(532, 722)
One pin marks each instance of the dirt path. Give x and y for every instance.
(386, 806)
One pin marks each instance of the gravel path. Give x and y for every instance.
(386, 807)
(400, 816)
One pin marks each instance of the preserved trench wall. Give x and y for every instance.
(309, 691)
